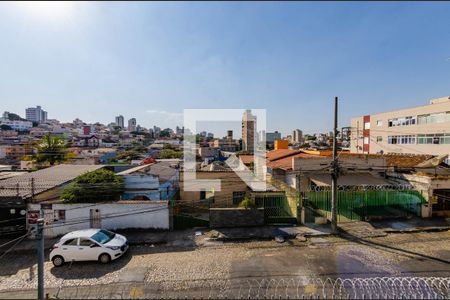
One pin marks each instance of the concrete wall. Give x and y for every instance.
(235, 217)
(146, 215)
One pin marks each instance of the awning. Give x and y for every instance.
(355, 179)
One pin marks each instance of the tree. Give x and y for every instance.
(15, 117)
(5, 127)
(99, 185)
(129, 155)
(164, 133)
(169, 153)
(51, 149)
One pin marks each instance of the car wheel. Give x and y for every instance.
(105, 258)
(58, 261)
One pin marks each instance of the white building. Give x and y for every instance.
(297, 136)
(35, 114)
(17, 125)
(417, 130)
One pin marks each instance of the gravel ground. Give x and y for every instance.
(173, 267)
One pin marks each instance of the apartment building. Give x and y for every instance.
(120, 121)
(297, 136)
(17, 125)
(132, 124)
(248, 131)
(418, 130)
(36, 114)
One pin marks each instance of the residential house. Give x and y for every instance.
(155, 181)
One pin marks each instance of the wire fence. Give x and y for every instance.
(270, 288)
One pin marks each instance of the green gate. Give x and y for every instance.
(365, 204)
(189, 214)
(276, 209)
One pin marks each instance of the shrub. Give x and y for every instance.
(247, 203)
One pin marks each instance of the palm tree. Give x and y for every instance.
(51, 149)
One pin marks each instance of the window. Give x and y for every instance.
(202, 195)
(103, 236)
(367, 125)
(402, 139)
(238, 197)
(379, 123)
(436, 139)
(404, 121)
(59, 215)
(379, 138)
(86, 242)
(366, 140)
(71, 242)
(434, 118)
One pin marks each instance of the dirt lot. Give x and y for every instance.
(412, 254)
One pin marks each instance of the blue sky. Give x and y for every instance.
(152, 60)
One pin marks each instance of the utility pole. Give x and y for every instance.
(334, 171)
(40, 254)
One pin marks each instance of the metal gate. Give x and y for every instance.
(189, 214)
(276, 209)
(362, 205)
(95, 218)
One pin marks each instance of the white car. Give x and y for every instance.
(88, 244)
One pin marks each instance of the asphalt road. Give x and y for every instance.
(414, 264)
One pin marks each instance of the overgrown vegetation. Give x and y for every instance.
(169, 153)
(96, 186)
(247, 202)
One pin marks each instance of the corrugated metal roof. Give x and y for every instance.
(355, 179)
(164, 170)
(44, 179)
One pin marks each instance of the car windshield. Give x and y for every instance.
(103, 236)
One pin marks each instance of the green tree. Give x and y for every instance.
(51, 149)
(99, 185)
(15, 117)
(164, 133)
(5, 127)
(169, 153)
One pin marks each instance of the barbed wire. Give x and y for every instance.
(300, 287)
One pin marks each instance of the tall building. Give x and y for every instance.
(230, 135)
(297, 136)
(132, 124)
(418, 130)
(248, 131)
(120, 121)
(36, 114)
(272, 136)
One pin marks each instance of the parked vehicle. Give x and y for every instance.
(88, 244)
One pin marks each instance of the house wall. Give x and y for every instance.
(379, 129)
(230, 182)
(113, 216)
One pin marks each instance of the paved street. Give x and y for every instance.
(217, 266)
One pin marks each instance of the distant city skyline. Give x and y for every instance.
(150, 61)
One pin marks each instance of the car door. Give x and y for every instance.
(69, 249)
(88, 249)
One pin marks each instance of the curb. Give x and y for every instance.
(414, 230)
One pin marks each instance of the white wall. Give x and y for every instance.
(154, 215)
